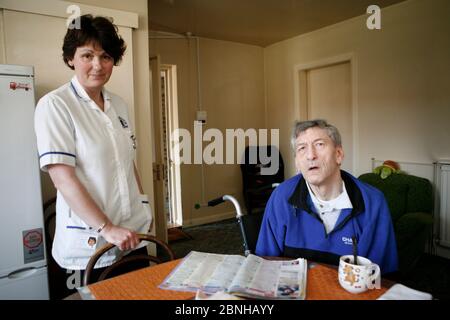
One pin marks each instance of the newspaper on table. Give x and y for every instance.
(250, 276)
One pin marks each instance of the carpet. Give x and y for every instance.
(222, 237)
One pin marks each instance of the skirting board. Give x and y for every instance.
(209, 219)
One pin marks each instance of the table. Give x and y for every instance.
(322, 284)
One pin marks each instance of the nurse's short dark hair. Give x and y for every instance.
(301, 126)
(96, 30)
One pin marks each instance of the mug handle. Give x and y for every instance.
(373, 277)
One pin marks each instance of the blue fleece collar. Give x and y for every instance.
(300, 197)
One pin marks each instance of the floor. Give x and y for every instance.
(222, 237)
(432, 273)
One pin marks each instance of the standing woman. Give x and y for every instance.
(86, 144)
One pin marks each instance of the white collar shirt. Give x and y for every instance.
(330, 210)
(71, 129)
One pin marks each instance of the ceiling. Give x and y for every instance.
(257, 22)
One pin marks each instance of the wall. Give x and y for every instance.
(232, 93)
(402, 77)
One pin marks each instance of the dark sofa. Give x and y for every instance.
(410, 200)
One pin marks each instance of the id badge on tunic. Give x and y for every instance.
(86, 240)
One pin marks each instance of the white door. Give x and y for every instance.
(328, 95)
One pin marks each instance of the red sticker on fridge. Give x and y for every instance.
(32, 239)
(33, 245)
(15, 86)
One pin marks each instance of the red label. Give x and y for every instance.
(32, 239)
(15, 85)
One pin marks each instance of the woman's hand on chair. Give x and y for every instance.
(123, 238)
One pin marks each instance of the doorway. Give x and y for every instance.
(171, 174)
(166, 167)
(326, 92)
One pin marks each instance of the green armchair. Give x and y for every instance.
(410, 201)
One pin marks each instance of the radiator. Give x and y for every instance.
(442, 204)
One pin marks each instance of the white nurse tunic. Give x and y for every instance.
(71, 129)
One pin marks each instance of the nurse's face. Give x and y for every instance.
(93, 66)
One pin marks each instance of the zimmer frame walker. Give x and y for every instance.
(249, 224)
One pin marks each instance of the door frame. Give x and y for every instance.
(173, 165)
(158, 183)
(300, 93)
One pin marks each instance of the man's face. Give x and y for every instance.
(316, 156)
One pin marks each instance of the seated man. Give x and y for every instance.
(316, 214)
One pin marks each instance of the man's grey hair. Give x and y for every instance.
(302, 126)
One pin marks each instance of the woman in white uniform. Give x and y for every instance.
(86, 144)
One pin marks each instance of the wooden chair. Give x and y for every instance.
(125, 260)
(49, 209)
(56, 276)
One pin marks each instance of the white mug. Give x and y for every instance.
(358, 278)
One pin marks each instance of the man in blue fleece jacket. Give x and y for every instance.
(318, 213)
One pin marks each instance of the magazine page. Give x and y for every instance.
(245, 275)
(223, 274)
(207, 271)
(260, 278)
(292, 280)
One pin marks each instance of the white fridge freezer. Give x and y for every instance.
(23, 265)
